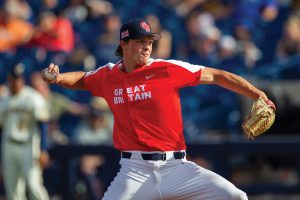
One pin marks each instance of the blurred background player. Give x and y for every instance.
(23, 116)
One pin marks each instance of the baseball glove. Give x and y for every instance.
(260, 119)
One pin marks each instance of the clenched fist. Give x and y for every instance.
(51, 73)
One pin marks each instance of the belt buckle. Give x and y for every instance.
(164, 156)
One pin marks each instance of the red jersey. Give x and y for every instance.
(145, 102)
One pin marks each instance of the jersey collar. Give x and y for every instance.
(119, 64)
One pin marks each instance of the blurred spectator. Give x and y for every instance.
(55, 136)
(107, 41)
(54, 34)
(251, 53)
(203, 37)
(227, 45)
(99, 8)
(94, 23)
(207, 44)
(89, 184)
(55, 6)
(228, 56)
(58, 103)
(97, 127)
(183, 8)
(251, 21)
(289, 43)
(163, 47)
(20, 9)
(14, 31)
(77, 12)
(249, 15)
(82, 58)
(50, 4)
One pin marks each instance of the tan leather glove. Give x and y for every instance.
(260, 119)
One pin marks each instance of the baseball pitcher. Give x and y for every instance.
(143, 94)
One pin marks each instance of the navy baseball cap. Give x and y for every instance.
(17, 71)
(137, 28)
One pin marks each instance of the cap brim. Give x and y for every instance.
(155, 36)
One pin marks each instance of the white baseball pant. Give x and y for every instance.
(171, 179)
(21, 170)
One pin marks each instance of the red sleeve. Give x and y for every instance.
(94, 81)
(184, 74)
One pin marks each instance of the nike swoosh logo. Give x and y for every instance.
(147, 77)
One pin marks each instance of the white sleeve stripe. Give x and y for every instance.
(192, 68)
(110, 65)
